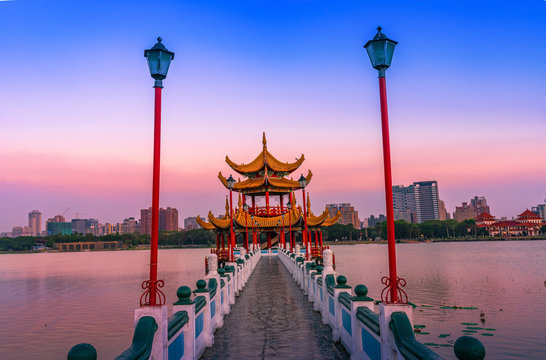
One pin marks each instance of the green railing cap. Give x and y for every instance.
(319, 269)
(201, 285)
(342, 282)
(361, 292)
(469, 348)
(82, 352)
(184, 296)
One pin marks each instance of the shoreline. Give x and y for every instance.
(336, 243)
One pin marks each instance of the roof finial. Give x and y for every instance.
(379, 28)
(227, 207)
(159, 39)
(264, 141)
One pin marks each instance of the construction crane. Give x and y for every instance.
(68, 208)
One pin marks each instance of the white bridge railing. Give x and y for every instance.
(366, 334)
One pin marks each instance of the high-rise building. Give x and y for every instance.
(146, 221)
(128, 226)
(403, 200)
(168, 220)
(190, 223)
(478, 205)
(444, 215)
(57, 227)
(427, 202)
(348, 214)
(373, 221)
(85, 226)
(35, 222)
(79, 226)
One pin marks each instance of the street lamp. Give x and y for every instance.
(289, 204)
(231, 184)
(159, 60)
(380, 50)
(245, 208)
(303, 183)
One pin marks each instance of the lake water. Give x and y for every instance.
(52, 301)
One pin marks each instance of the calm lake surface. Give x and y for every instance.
(52, 301)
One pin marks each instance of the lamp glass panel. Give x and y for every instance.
(369, 49)
(379, 53)
(164, 63)
(153, 61)
(390, 51)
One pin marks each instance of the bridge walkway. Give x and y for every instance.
(272, 319)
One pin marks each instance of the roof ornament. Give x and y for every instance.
(264, 141)
(240, 202)
(308, 204)
(227, 206)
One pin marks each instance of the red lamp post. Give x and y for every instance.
(159, 60)
(231, 184)
(303, 183)
(245, 208)
(289, 205)
(380, 50)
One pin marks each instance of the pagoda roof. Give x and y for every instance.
(272, 184)
(485, 216)
(243, 219)
(528, 215)
(265, 160)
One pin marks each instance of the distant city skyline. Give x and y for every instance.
(77, 131)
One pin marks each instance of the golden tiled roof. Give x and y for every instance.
(205, 225)
(331, 221)
(243, 219)
(265, 158)
(273, 183)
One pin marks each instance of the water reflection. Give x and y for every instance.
(501, 280)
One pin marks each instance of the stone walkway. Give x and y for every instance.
(272, 319)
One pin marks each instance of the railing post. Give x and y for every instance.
(159, 313)
(317, 306)
(389, 350)
(359, 300)
(207, 326)
(186, 304)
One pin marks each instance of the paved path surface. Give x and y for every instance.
(272, 319)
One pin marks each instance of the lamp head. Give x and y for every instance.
(159, 60)
(380, 50)
(303, 181)
(230, 182)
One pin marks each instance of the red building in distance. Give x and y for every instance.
(526, 224)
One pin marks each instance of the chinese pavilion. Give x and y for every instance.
(266, 177)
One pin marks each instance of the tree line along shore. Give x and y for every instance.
(447, 230)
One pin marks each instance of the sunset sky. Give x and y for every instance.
(467, 101)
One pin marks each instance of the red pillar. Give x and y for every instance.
(388, 190)
(304, 232)
(268, 240)
(155, 197)
(320, 238)
(253, 204)
(232, 235)
(267, 202)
